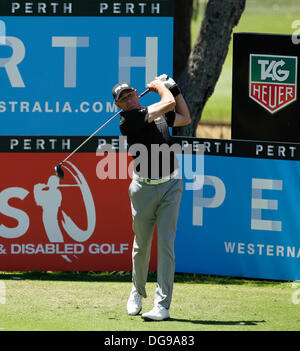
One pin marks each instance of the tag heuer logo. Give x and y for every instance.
(273, 80)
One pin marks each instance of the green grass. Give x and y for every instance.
(73, 301)
(260, 16)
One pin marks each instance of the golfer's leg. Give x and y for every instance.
(141, 257)
(143, 221)
(166, 231)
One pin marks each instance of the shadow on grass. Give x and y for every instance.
(204, 322)
(125, 277)
(212, 322)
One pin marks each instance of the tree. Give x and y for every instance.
(183, 13)
(203, 66)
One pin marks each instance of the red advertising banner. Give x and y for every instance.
(79, 223)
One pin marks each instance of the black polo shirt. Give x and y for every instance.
(134, 124)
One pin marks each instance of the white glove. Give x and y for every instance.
(170, 84)
(168, 81)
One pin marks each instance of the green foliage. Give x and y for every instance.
(260, 16)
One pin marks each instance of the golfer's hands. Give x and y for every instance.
(167, 101)
(170, 84)
(156, 86)
(168, 81)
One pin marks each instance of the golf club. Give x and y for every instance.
(58, 168)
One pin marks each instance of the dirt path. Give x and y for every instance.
(214, 131)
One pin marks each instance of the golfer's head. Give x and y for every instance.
(126, 98)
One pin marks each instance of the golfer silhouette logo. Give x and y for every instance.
(49, 197)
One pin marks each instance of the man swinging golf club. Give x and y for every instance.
(154, 200)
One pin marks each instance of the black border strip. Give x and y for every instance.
(213, 147)
(108, 8)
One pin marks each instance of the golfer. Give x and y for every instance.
(155, 196)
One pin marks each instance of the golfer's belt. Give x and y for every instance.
(155, 181)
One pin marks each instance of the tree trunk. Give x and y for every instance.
(183, 11)
(198, 80)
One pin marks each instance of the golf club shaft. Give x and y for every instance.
(98, 130)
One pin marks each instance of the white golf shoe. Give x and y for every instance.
(158, 313)
(134, 303)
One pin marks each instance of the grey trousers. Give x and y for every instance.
(150, 205)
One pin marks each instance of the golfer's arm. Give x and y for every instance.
(166, 104)
(182, 117)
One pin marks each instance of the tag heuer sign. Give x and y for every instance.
(273, 80)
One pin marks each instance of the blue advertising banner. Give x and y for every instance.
(244, 221)
(58, 65)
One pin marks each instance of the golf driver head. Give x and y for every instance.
(59, 171)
